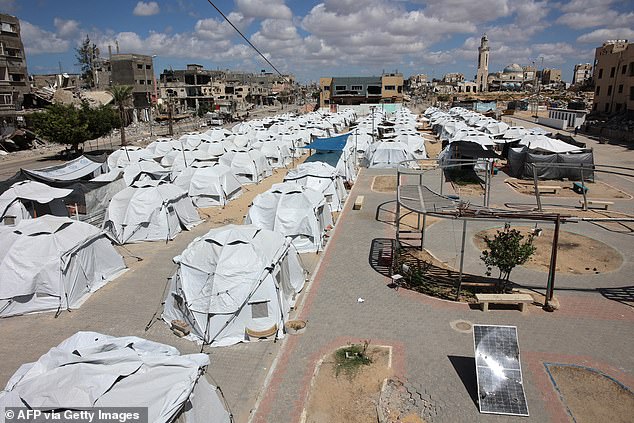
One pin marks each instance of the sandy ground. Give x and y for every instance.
(596, 190)
(577, 254)
(350, 399)
(592, 397)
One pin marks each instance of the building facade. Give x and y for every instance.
(613, 77)
(137, 71)
(582, 73)
(14, 80)
(350, 90)
(551, 76)
(483, 65)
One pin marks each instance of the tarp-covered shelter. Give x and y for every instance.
(522, 160)
(295, 211)
(29, 199)
(323, 178)
(91, 370)
(53, 263)
(150, 213)
(84, 167)
(209, 186)
(387, 154)
(234, 284)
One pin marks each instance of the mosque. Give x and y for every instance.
(513, 78)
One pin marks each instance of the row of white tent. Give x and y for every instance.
(462, 125)
(231, 284)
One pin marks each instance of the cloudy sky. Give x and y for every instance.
(331, 37)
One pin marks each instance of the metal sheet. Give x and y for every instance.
(498, 370)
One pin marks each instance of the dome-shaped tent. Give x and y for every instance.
(209, 186)
(150, 213)
(234, 284)
(321, 177)
(295, 211)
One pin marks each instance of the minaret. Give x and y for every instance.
(483, 64)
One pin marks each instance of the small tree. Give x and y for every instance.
(121, 94)
(61, 124)
(86, 54)
(505, 251)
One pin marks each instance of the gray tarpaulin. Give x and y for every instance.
(521, 164)
(543, 172)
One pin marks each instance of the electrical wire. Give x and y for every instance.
(245, 38)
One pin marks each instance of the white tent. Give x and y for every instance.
(209, 186)
(145, 170)
(150, 213)
(250, 167)
(52, 263)
(294, 211)
(321, 177)
(125, 155)
(387, 154)
(547, 145)
(90, 370)
(28, 199)
(277, 153)
(236, 283)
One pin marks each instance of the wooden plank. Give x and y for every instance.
(494, 298)
(602, 204)
(358, 202)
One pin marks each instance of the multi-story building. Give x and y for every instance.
(348, 90)
(582, 73)
(188, 88)
(136, 70)
(453, 78)
(613, 77)
(14, 81)
(551, 76)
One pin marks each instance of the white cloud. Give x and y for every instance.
(581, 14)
(598, 36)
(66, 28)
(146, 9)
(217, 29)
(272, 9)
(37, 40)
(468, 11)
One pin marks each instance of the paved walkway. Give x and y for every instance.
(592, 331)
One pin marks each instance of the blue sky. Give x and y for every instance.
(332, 37)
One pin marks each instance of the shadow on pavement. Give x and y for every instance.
(622, 294)
(381, 255)
(466, 370)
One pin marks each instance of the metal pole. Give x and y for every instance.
(442, 178)
(537, 195)
(422, 234)
(583, 191)
(550, 287)
(464, 232)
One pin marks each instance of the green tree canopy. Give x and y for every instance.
(505, 251)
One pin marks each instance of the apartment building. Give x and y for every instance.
(582, 73)
(551, 76)
(136, 70)
(349, 90)
(613, 77)
(14, 81)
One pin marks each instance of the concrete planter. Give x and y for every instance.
(295, 327)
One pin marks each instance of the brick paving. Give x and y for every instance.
(588, 330)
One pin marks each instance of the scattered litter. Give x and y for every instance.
(360, 300)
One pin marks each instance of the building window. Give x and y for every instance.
(326, 101)
(340, 87)
(620, 90)
(607, 107)
(357, 88)
(389, 88)
(609, 89)
(623, 69)
(617, 107)
(149, 82)
(139, 66)
(327, 88)
(598, 90)
(142, 81)
(600, 73)
(632, 93)
(594, 106)
(5, 99)
(259, 310)
(400, 89)
(612, 72)
(148, 67)
(631, 68)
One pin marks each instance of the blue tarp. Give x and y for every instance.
(330, 157)
(329, 144)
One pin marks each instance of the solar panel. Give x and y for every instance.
(498, 370)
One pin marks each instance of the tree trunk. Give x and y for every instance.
(122, 117)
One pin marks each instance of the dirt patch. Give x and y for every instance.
(434, 147)
(384, 183)
(591, 396)
(596, 190)
(348, 396)
(577, 254)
